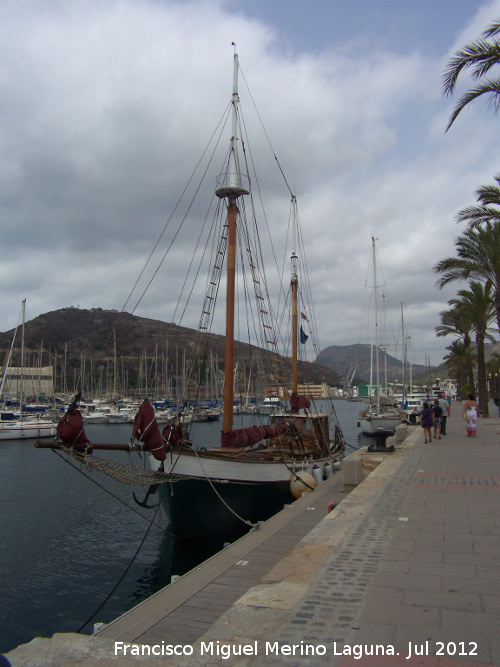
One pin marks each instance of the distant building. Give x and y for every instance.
(35, 381)
(312, 391)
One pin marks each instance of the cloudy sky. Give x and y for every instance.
(105, 106)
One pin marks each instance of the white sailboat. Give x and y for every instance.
(382, 412)
(23, 429)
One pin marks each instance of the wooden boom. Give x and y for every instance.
(124, 447)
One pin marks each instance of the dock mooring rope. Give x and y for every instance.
(240, 518)
(103, 488)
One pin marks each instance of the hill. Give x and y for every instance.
(344, 358)
(150, 355)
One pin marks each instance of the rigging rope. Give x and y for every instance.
(171, 216)
(121, 472)
(265, 132)
(245, 521)
(100, 486)
(123, 575)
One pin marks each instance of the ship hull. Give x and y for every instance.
(213, 495)
(27, 430)
(369, 425)
(197, 508)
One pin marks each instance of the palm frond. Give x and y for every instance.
(480, 55)
(491, 56)
(478, 215)
(494, 29)
(488, 195)
(491, 86)
(450, 274)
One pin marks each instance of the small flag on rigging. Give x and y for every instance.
(303, 336)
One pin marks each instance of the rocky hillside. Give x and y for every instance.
(147, 352)
(344, 358)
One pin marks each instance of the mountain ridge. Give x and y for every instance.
(74, 334)
(345, 358)
(78, 333)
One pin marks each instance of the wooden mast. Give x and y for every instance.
(231, 189)
(229, 351)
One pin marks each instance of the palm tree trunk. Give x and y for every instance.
(481, 376)
(496, 300)
(470, 365)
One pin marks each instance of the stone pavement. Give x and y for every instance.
(407, 564)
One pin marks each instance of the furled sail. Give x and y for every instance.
(70, 430)
(244, 437)
(297, 402)
(146, 430)
(172, 434)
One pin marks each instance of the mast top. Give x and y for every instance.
(230, 182)
(294, 278)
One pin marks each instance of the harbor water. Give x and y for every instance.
(70, 538)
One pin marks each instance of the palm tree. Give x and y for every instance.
(478, 250)
(457, 362)
(479, 56)
(488, 197)
(477, 302)
(457, 322)
(493, 371)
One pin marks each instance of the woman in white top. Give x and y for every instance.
(470, 413)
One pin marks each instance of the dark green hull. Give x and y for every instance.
(195, 510)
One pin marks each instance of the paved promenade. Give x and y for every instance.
(407, 564)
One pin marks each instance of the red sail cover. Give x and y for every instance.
(146, 430)
(172, 435)
(297, 402)
(244, 437)
(70, 431)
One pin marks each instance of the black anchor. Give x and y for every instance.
(150, 492)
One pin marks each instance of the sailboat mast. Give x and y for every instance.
(386, 389)
(376, 325)
(231, 189)
(294, 287)
(21, 391)
(229, 351)
(404, 357)
(115, 386)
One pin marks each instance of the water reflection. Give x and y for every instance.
(177, 558)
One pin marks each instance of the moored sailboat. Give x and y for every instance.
(382, 412)
(256, 469)
(22, 428)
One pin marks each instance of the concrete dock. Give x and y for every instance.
(405, 570)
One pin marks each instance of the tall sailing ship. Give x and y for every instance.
(256, 469)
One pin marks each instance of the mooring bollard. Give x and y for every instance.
(381, 435)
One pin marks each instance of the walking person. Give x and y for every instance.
(426, 421)
(470, 415)
(437, 411)
(446, 413)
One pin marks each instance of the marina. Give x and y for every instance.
(407, 561)
(194, 488)
(75, 540)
